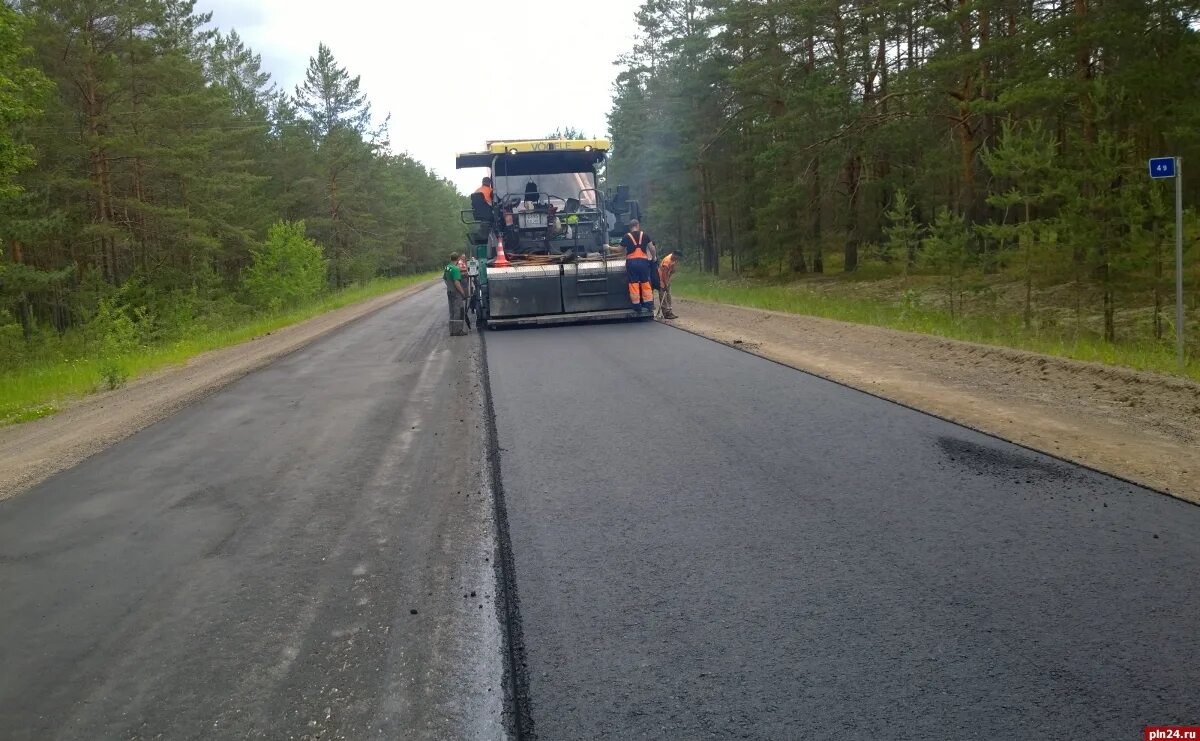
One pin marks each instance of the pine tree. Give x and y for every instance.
(903, 232)
(22, 93)
(567, 132)
(1100, 180)
(776, 127)
(237, 69)
(945, 251)
(338, 117)
(330, 99)
(1027, 161)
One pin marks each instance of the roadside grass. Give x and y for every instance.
(907, 312)
(39, 389)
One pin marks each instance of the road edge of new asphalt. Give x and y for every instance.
(960, 423)
(518, 714)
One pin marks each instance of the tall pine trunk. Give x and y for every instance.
(853, 182)
(94, 108)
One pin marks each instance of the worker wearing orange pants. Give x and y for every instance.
(639, 251)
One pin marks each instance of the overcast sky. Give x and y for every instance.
(452, 73)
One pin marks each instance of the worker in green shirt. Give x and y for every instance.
(456, 293)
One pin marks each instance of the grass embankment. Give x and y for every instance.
(39, 388)
(911, 305)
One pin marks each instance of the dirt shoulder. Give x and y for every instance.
(1143, 427)
(34, 451)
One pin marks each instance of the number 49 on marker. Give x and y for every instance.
(1162, 167)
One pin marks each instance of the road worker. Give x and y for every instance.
(666, 271)
(638, 249)
(468, 285)
(486, 191)
(456, 295)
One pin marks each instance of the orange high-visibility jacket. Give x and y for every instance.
(486, 190)
(666, 269)
(633, 246)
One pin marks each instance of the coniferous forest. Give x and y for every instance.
(958, 138)
(153, 178)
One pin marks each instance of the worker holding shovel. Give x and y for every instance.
(666, 271)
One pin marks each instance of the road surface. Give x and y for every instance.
(704, 545)
(709, 545)
(250, 567)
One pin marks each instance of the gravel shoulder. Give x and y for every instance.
(32, 452)
(1143, 427)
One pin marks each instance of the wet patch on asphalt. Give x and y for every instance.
(1004, 460)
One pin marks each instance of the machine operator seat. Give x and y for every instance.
(483, 214)
(480, 209)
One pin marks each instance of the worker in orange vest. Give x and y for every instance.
(666, 271)
(639, 252)
(486, 191)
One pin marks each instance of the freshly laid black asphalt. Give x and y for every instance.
(305, 554)
(709, 545)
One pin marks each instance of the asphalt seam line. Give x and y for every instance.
(508, 604)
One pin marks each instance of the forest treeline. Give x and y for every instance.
(947, 136)
(152, 175)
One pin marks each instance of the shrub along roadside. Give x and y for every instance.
(910, 315)
(285, 271)
(38, 388)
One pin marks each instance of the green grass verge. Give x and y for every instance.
(39, 389)
(1001, 330)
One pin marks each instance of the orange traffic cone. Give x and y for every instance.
(501, 261)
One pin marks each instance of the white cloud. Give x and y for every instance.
(454, 73)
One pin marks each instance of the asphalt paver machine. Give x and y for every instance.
(544, 248)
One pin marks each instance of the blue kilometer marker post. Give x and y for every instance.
(1162, 168)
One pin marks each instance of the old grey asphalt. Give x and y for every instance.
(709, 545)
(250, 566)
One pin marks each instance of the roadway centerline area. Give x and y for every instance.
(307, 553)
(706, 544)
